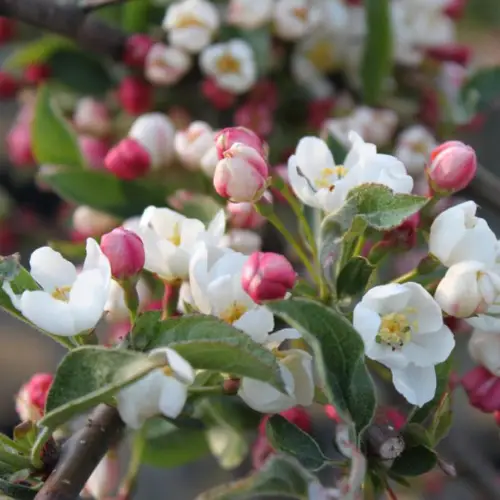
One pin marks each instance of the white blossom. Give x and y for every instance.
(166, 65)
(249, 14)
(402, 328)
(192, 144)
(484, 348)
(68, 303)
(162, 391)
(294, 18)
(242, 240)
(116, 308)
(413, 148)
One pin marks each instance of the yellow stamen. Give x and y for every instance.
(233, 313)
(226, 63)
(189, 21)
(62, 293)
(300, 13)
(176, 235)
(395, 331)
(168, 371)
(324, 180)
(322, 56)
(420, 148)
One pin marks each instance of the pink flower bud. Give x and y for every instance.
(255, 116)
(8, 85)
(244, 216)
(267, 276)
(332, 413)
(136, 50)
(7, 29)
(135, 95)
(455, 9)
(225, 139)
(34, 74)
(220, 98)
(19, 145)
(483, 389)
(404, 237)
(318, 111)
(92, 117)
(261, 451)
(242, 174)
(453, 166)
(296, 415)
(265, 92)
(457, 53)
(94, 150)
(128, 160)
(125, 252)
(30, 401)
(117, 331)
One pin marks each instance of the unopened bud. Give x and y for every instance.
(19, 145)
(242, 174)
(267, 276)
(94, 150)
(125, 252)
(483, 389)
(30, 401)
(219, 98)
(227, 137)
(105, 479)
(34, 74)
(453, 166)
(128, 160)
(403, 237)
(244, 216)
(135, 95)
(7, 29)
(92, 117)
(192, 144)
(8, 85)
(136, 50)
(455, 9)
(456, 53)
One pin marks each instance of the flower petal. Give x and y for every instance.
(300, 365)
(182, 369)
(280, 336)
(51, 270)
(416, 384)
(367, 323)
(301, 184)
(216, 228)
(385, 299)
(430, 349)
(424, 311)
(95, 259)
(173, 397)
(485, 323)
(256, 323)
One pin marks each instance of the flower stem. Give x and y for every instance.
(36, 451)
(211, 389)
(409, 276)
(131, 298)
(129, 482)
(170, 300)
(360, 244)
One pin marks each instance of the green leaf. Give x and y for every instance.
(481, 90)
(135, 16)
(414, 461)
(261, 42)
(339, 356)
(168, 446)
(209, 343)
(54, 143)
(38, 51)
(17, 491)
(286, 437)
(280, 475)
(339, 151)
(22, 282)
(377, 56)
(88, 376)
(68, 249)
(443, 371)
(105, 192)
(354, 276)
(201, 207)
(81, 72)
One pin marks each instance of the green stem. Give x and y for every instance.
(359, 246)
(128, 484)
(36, 451)
(9, 443)
(131, 298)
(135, 16)
(409, 276)
(211, 389)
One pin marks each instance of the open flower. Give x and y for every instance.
(231, 64)
(457, 235)
(294, 18)
(402, 328)
(169, 239)
(162, 391)
(413, 148)
(192, 144)
(248, 14)
(297, 374)
(166, 65)
(191, 24)
(484, 348)
(215, 279)
(68, 303)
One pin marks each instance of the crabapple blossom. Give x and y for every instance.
(91, 222)
(192, 144)
(294, 18)
(242, 240)
(483, 389)
(166, 65)
(248, 14)
(92, 117)
(68, 303)
(128, 160)
(402, 327)
(31, 398)
(162, 391)
(457, 235)
(484, 348)
(244, 216)
(136, 50)
(414, 146)
(226, 138)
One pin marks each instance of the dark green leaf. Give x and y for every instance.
(135, 16)
(70, 250)
(17, 491)
(481, 90)
(209, 343)
(261, 42)
(414, 461)
(169, 446)
(339, 151)
(38, 51)
(81, 72)
(339, 356)
(54, 143)
(201, 207)
(377, 57)
(354, 276)
(88, 376)
(286, 437)
(416, 435)
(280, 476)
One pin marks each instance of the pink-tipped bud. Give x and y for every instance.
(92, 117)
(19, 145)
(136, 50)
(35, 74)
(241, 175)
(404, 237)
(453, 52)
(94, 150)
(453, 166)
(244, 216)
(125, 252)
(105, 479)
(8, 85)
(483, 389)
(267, 276)
(220, 98)
(332, 413)
(135, 95)
(30, 401)
(226, 138)
(7, 29)
(455, 9)
(128, 160)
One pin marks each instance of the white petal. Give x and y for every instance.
(313, 155)
(280, 336)
(484, 348)
(367, 323)
(51, 270)
(173, 397)
(385, 299)
(300, 365)
(198, 278)
(95, 259)
(430, 349)
(416, 384)
(182, 369)
(15, 299)
(87, 300)
(485, 323)
(217, 227)
(191, 229)
(385, 355)
(256, 323)
(301, 184)
(427, 315)
(49, 314)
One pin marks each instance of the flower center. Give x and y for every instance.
(62, 293)
(175, 238)
(322, 56)
(419, 147)
(324, 181)
(167, 371)
(226, 63)
(233, 313)
(300, 13)
(279, 354)
(395, 331)
(189, 21)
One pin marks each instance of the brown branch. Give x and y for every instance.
(70, 21)
(82, 453)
